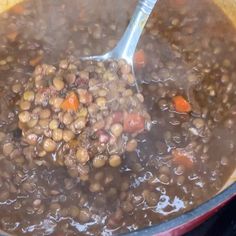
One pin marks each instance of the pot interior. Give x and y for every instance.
(229, 8)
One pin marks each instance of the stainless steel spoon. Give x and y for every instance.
(125, 48)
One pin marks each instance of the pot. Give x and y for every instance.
(193, 218)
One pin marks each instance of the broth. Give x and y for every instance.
(183, 160)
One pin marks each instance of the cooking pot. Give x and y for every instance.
(193, 218)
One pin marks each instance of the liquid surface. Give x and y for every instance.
(185, 158)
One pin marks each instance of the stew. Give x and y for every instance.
(82, 152)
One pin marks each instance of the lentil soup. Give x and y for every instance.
(81, 151)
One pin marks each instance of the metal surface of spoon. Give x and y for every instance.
(125, 48)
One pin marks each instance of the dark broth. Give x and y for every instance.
(189, 51)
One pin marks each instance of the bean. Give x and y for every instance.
(70, 78)
(151, 198)
(229, 123)
(68, 135)
(74, 211)
(37, 203)
(57, 135)
(98, 125)
(131, 145)
(16, 88)
(180, 180)
(164, 178)
(67, 118)
(114, 161)
(45, 114)
(116, 129)
(198, 123)
(25, 105)
(84, 215)
(32, 123)
(124, 186)
(95, 187)
(224, 161)
(2, 136)
(55, 207)
(4, 195)
(58, 83)
(101, 102)
(49, 145)
(99, 161)
(130, 79)
(127, 206)
(28, 96)
(44, 123)
(125, 69)
(24, 116)
(7, 149)
(82, 155)
(83, 112)
(53, 124)
(164, 170)
(179, 170)
(80, 123)
(32, 139)
(56, 102)
(84, 96)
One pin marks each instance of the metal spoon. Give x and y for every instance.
(125, 48)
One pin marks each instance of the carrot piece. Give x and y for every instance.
(180, 157)
(35, 61)
(12, 36)
(18, 9)
(140, 58)
(181, 104)
(133, 122)
(71, 102)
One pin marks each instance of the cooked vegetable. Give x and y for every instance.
(71, 103)
(181, 104)
(181, 157)
(133, 123)
(140, 58)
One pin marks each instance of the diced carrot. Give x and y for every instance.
(35, 61)
(12, 36)
(133, 123)
(18, 9)
(181, 104)
(182, 158)
(140, 58)
(71, 102)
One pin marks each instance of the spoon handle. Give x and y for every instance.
(127, 44)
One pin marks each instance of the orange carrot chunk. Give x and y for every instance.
(133, 122)
(140, 58)
(182, 158)
(181, 104)
(71, 102)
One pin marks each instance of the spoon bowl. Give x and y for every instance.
(126, 46)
